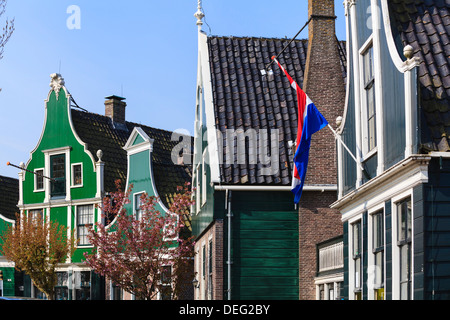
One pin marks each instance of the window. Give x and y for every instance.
(210, 270)
(203, 261)
(82, 285)
(404, 235)
(138, 211)
(36, 215)
(198, 191)
(378, 252)
(166, 283)
(77, 175)
(116, 292)
(58, 174)
(204, 178)
(39, 180)
(369, 91)
(85, 219)
(62, 286)
(357, 262)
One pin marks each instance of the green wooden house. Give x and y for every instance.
(247, 226)
(81, 155)
(395, 204)
(9, 196)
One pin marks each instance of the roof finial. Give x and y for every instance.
(56, 83)
(199, 14)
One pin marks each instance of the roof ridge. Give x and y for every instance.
(254, 38)
(134, 124)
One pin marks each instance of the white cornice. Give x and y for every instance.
(405, 174)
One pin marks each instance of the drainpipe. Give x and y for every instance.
(229, 262)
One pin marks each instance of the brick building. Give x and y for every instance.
(324, 84)
(252, 241)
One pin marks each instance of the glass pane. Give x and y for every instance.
(368, 65)
(77, 176)
(378, 230)
(357, 273)
(39, 179)
(85, 218)
(371, 118)
(137, 206)
(379, 268)
(331, 294)
(356, 238)
(404, 220)
(58, 175)
(404, 263)
(372, 135)
(58, 166)
(404, 291)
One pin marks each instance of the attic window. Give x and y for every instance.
(39, 180)
(77, 175)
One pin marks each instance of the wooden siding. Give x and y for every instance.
(349, 131)
(393, 103)
(344, 288)
(264, 246)
(363, 21)
(388, 249)
(436, 226)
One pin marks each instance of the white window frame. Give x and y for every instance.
(72, 175)
(366, 153)
(84, 245)
(371, 256)
(351, 266)
(36, 178)
(134, 204)
(395, 248)
(54, 152)
(198, 191)
(204, 180)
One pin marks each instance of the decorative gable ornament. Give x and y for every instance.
(56, 83)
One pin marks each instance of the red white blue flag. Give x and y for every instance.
(310, 120)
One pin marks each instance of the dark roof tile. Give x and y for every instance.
(244, 98)
(100, 132)
(426, 27)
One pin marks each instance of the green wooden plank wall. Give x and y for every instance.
(264, 246)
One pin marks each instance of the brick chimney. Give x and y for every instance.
(115, 108)
(324, 84)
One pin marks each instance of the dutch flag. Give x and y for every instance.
(310, 120)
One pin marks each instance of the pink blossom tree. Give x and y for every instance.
(134, 253)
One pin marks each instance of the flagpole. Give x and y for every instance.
(35, 173)
(345, 146)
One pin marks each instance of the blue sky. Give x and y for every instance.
(143, 50)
